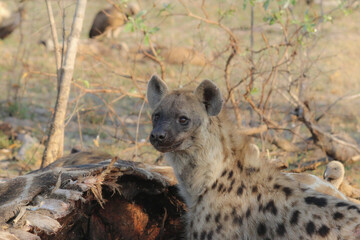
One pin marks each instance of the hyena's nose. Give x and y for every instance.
(158, 136)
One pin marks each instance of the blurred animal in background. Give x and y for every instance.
(4, 12)
(8, 23)
(334, 174)
(108, 21)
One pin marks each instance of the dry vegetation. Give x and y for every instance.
(268, 73)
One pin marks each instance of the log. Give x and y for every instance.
(112, 199)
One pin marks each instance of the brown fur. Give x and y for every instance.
(110, 19)
(230, 194)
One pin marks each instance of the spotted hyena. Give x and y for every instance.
(230, 194)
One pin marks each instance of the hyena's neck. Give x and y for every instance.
(198, 166)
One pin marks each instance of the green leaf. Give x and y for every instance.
(254, 90)
(86, 83)
(146, 39)
(266, 4)
(245, 4)
(153, 30)
(141, 13)
(167, 7)
(129, 27)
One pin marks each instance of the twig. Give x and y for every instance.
(55, 41)
(137, 129)
(310, 165)
(80, 132)
(334, 103)
(253, 131)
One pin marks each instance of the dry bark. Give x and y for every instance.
(107, 200)
(54, 144)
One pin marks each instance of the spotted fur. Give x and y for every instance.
(230, 194)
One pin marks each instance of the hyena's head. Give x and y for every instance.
(178, 115)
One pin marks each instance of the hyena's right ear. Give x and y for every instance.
(156, 90)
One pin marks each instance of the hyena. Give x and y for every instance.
(229, 193)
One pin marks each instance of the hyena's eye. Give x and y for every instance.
(156, 117)
(183, 120)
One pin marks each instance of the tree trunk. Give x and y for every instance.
(54, 144)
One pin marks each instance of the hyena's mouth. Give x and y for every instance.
(167, 148)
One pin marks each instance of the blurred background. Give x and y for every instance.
(271, 59)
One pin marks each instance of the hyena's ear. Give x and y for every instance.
(156, 90)
(209, 94)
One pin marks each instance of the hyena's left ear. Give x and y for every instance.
(156, 90)
(209, 94)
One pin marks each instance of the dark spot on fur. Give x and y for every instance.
(338, 216)
(218, 228)
(202, 235)
(304, 189)
(231, 186)
(207, 218)
(315, 216)
(323, 231)
(310, 228)
(240, 191)
(240, 166)
(287, 191)
(224, 172)
(254, 189)
(214, 184)
(280, 230)
(353, 207)
(251, 170)
(210, 235)
(200, 198)
(226, 217)
(233, 212)
(195, 235)
(248, 213)
(276, 186)
(260, 207)
(238, 220)
(295, 217)
(270, 178)
(231, 173)
(220, 187)
(217, 217)
(259, 197)
(261, 229)
(342, 204)
(271, 207)
(318, 201)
